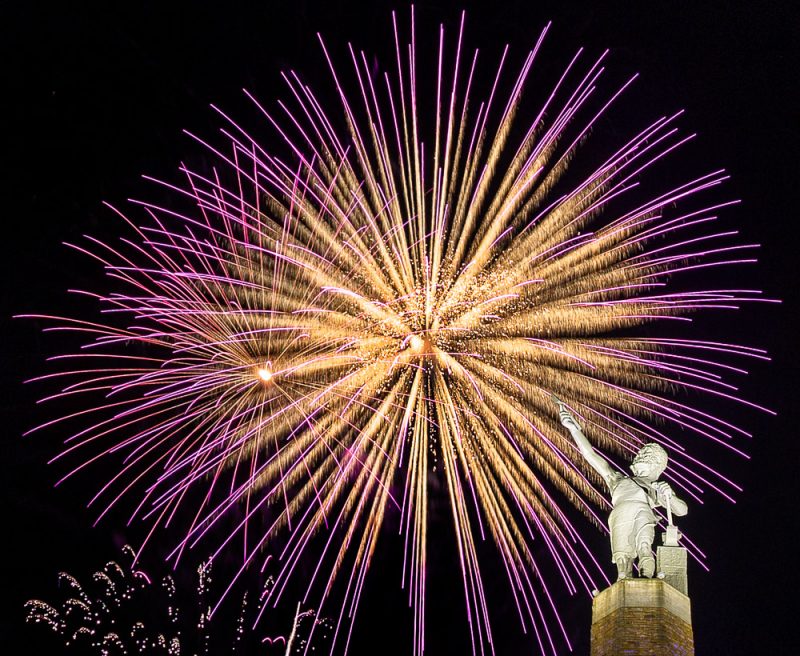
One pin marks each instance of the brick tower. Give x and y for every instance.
(646, 617)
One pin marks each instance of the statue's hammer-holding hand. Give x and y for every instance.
(663, 492)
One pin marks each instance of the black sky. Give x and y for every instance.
(94, 97)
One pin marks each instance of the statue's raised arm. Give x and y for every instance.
(597, 462)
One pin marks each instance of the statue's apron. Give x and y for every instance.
(632, 521)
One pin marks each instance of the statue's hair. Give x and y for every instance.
(652, 453)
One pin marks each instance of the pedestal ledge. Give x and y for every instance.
(641, 617)
(641, 593)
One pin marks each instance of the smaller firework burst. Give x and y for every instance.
(125, 611)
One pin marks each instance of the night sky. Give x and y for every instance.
(93, 98)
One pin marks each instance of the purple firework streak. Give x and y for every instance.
(295, 346)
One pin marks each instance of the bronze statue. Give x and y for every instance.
(632, 521)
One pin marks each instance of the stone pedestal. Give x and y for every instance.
(671, 567)
(642, 617)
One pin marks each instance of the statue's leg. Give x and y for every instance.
(624, 566)
(623, 531)
(644, 545)
(647, 564)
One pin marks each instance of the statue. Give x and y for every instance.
(632, 521)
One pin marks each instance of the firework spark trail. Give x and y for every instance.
(309, 337)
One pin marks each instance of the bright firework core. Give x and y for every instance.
(264, 373)
(417, 344)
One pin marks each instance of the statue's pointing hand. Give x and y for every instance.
(567, 418)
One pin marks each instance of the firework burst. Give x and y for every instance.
(123, 610)
(308, 337)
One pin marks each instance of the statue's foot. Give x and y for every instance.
(647, 566)
(624, 565)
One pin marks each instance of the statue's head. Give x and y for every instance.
(650, 462)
